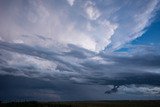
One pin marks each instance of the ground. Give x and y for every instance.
(84, 104)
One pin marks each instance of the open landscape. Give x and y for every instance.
(84, 104)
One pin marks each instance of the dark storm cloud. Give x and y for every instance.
(66, 49)
(78, 52)
(2, 61)
(24, 88)
(37, 52)
(128, 79)
(126, 70)
(17, 88)
(75, 53)
(24, 49)
(9, 69)
(123, 70)
(116, 70)
(148, 60)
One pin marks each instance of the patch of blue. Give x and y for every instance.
(152, 35)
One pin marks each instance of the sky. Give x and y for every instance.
(78, 50)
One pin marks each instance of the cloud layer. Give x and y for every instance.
(62, 46)
(85, 23)
(80, 66)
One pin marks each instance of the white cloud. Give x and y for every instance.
(100, 60)
(143, 18)
(71, 2)
(146, 90)
(79, 38)
(135, 22)
(63, 25)
(41, 20)
(108, 32)
(42, 65)
(92, 12)
(89, 27)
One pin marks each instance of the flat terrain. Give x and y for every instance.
(84, 104)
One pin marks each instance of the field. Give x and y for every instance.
(84, 104)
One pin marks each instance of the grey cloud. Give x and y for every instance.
(120, 72)
(9, 70)
(124, 71)
(113, 90)
(2, 61)
(138, 56)
(22, 88)
(75, 53)
(37, 52)
(127, 79)
(37, 36)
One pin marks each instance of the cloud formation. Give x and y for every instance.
(83, 66)
(71, 2)
(86, 24)
(75, 44)
(91, 11)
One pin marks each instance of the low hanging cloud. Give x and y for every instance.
(102, 69)
(82, 67)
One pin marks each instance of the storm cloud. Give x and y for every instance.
(78, 50)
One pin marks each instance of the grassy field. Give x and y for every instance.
(84, 104)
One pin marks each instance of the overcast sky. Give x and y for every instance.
(56, 50)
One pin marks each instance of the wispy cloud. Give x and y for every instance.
(71, 2)
(133, 22)
(92, 12)
(112, 27)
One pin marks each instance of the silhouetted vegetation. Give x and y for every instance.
(84, 104)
